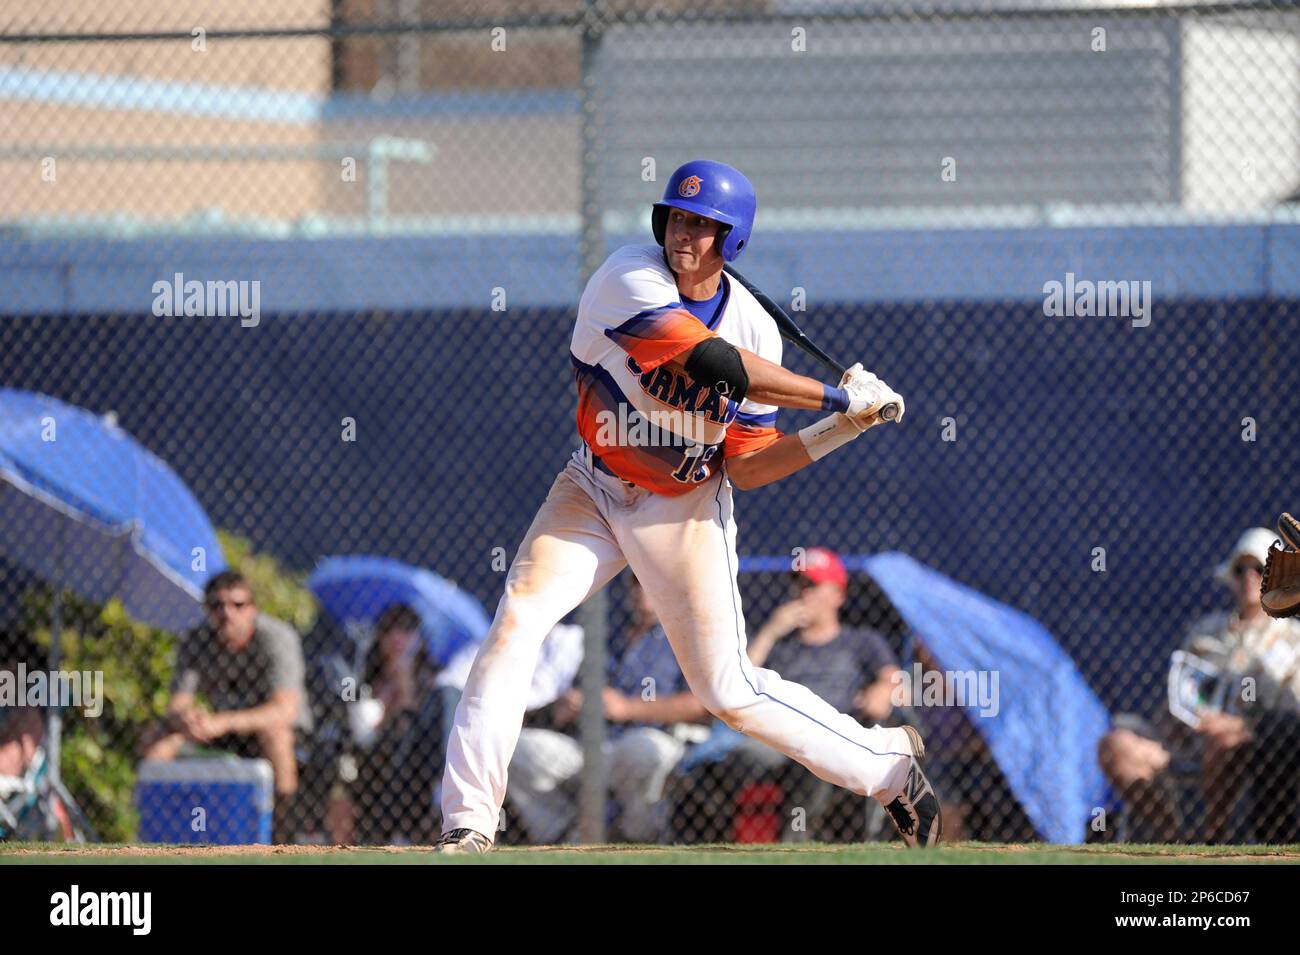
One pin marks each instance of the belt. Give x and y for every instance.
(599, 464)
(602, 466)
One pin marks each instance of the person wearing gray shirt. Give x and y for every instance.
(238, 686)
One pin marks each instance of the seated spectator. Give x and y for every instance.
(653, 715)
(543, 778)
(851, 669)
(33, 807)
(324, 806)
(248, 668)
(1237, 744)
(22, 761)
(399, 737)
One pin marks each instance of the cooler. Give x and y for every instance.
(235, 797)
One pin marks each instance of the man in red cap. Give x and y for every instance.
(852, 669)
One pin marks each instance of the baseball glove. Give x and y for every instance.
(1279, 594)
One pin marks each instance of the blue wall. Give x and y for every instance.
(86, 276)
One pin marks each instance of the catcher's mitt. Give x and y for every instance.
(1279, 594)
(1290, 530)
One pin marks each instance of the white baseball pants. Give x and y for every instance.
(683, 551)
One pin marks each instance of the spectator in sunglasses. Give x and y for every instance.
(238, 687)
(1228, 771)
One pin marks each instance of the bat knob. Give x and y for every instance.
(889, 412)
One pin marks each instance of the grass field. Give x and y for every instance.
(957, 854)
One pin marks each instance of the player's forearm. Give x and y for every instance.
(779, 459)
(770, 384)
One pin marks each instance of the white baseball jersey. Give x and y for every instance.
(657, 428)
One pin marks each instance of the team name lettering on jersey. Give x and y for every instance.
(682, 391)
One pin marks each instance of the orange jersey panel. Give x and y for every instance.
(656, 337)
(743, 438)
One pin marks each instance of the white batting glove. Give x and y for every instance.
(868, 395)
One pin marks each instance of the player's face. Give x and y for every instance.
(232, 615)
(691, 243)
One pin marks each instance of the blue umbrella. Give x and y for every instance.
(86, 507)
(1045, 734)
(357, 589)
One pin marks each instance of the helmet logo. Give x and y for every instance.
(690, 187)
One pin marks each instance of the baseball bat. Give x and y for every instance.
(791, 332)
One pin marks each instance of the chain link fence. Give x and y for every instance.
(287, 291)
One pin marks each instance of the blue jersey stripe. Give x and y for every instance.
(636, 325)
(767, 419)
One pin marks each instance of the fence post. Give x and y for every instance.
(594, 615)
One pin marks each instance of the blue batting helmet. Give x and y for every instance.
(716, 191)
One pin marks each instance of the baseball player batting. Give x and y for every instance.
(679, 378)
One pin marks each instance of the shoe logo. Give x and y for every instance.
(915, 785)
(902, 817)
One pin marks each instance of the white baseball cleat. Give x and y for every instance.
(915, 810)
(462, 842)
